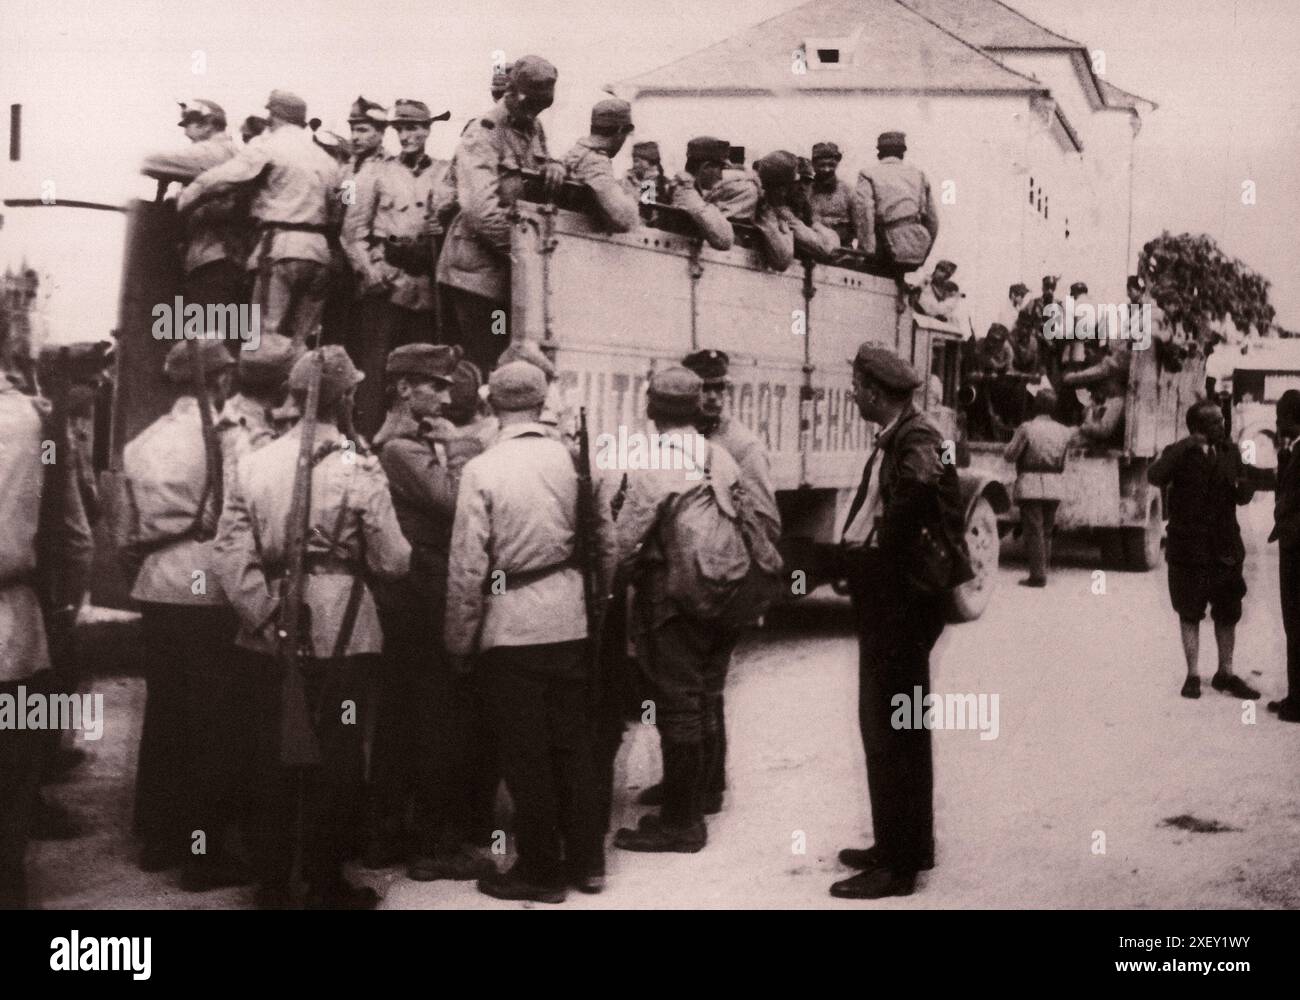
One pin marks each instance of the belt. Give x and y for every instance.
(321, 565)
(1055, 469)
(906, 220)
(522, 578)
(296, 227)
(25, 578)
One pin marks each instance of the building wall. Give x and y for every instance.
(988, 147)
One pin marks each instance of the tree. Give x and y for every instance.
(1195, 283)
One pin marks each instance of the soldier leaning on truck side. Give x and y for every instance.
(1038, 450)
(353, 535)
(831, 199)
(894, 214)
(295, 180)
(386, 237)
(588, 163)
(706, 158)
(1202, 474)
(645, 180)
(217, 239)
(1286, 532)
(483, 184)
(189, 769)
(778, 173)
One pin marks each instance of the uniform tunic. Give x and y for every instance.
(589, 165)
(893, 198)
(834, 208)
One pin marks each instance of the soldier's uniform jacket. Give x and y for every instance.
(834, 209)
(1286, 506)
(743, 445)
(392, 199)
(777, 237)
(651, 495)
(894, 197)
(585, 164)
(244, 426)
(355, 163)
(516, 514)
(217, 230)
(298, 182)
(423, 489)
(1037, 450)
(352, 530)
(23, 648)
(166, 472)
(818, 241)
(485, 182)
(708, 218)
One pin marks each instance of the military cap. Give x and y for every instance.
(197, 110)
(886, 367)
(528, 350)
(806, 172)
(822, 150)
(647, 151)
(533, 75)
(677, 392)
(465, 383)
(708, 365)
(706, 149)
(338, 373)
(179, 364)
(1078, 288)
(612, 113)
(333, 143)
(1019, 288)
(944, 269)
(1136, 281)
(778, 169)
(997, 332)
(416, 112)
(368, 113)
(433, 361)
(1049, 281)
(288, 106)
(267, 365)
(891, 140)
(517, 385)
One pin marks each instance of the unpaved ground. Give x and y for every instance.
(1094, 745)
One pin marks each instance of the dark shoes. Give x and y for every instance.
(1233, 685)
(652, 835)
(1191, 687)
(1032, 582)
(652, 796)
(203, 875)
(863, 858)
(875, 883)
(1287, 711)
(343, 896)
(507, 885)
(460, 866)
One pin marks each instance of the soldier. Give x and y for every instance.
(645, 180)
(1009, 316)
(588, 163)
(353, 534)
(292, 206)
(515, 599)
(367, 121)
(387, 240)
(907, 494)
(189, 739)
(500, 83)
(216, 236)
(45, 556)
(425, 747)
(830, 197)
(683, 633)
(246, 423)
(474, 266)
(1038, 450)
(893, 211)
(706, 158)
(1286, 532)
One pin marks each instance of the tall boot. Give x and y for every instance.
(680, 825)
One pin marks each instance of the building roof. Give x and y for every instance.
(991, 24)
(1117, 98)
(886, 47)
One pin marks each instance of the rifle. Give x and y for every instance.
(214, 488)
(297, 738)
(586, 550)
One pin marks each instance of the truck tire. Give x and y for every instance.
(1142, 545)
(1114, 553)
(968, 601)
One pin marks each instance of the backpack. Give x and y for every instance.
(766, 577)
(704, 548)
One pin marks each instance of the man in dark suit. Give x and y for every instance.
(1286, 532)
(906, 488)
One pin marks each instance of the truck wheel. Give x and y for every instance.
(1142, 545)
(968, 601)
(1114, 555)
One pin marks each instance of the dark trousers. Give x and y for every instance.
(539, 700)
(1037, 520)
(322, 800)
(187, 736)
(1288, 565)
(220, 282)
(291, 295)
(473, 325)
(381, 327)
(21, 751)
(685, 663)
(895, 637)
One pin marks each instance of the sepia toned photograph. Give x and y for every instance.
(739, 455)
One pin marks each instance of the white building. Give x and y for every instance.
(1029, 150)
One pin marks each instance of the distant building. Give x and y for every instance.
(1028, 149)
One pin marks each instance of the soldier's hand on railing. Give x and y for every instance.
(552, 178)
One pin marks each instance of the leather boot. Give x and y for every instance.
(680, 825)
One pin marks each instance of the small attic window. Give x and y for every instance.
(829, 53)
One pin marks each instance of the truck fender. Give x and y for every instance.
(975, 485)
